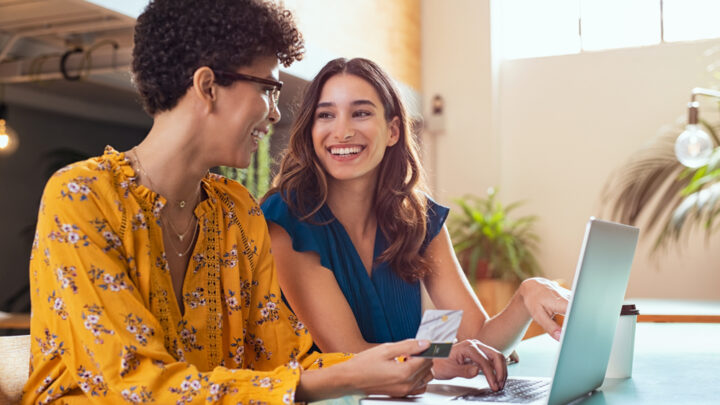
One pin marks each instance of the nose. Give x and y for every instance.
(343, 131)
(274, 115)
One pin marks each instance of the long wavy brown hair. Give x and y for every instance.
(400, 201)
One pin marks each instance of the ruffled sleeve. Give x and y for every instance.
(436, 217)
(305, 237)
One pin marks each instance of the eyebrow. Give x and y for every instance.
(354, 103)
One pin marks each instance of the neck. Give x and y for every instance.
(352, 202)
(169, 159)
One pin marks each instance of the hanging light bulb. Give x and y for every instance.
(8, 137)
(694, 146)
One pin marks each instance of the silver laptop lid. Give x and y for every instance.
(598, 290)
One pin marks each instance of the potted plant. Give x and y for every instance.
(654, 188)
(496, 251)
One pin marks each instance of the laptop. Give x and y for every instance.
(599, 287)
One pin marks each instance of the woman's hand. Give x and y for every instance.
(389, 369)
(544, 299)
(470, 356)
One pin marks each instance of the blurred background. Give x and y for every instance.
(540, 102)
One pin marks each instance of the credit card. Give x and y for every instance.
(440, 328)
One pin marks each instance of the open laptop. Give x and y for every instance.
(598, 290)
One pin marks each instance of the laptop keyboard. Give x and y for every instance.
(515, 391)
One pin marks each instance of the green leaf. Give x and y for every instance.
(483, 230)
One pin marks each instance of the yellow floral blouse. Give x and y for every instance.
(106, 326)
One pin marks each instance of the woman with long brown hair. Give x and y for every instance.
(354, 233)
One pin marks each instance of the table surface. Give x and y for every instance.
(676, 310)
(674, 363)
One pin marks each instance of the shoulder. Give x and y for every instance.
(235, 196)
(85, 181)
(305, 236)
(436, 216)
(436, 211)
(84, 196)
(276, 209)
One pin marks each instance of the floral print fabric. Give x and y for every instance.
(106, 326)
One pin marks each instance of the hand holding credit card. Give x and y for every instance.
(440, 328)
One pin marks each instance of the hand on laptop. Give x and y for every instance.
(544, 299)
(468, 358)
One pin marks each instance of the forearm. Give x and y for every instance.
(505, 330)
(341, 344)
(324, 383)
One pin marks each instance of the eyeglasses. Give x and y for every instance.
(276, 84)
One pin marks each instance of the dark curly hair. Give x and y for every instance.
(173, 38)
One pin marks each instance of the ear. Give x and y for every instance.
(204, 87)
(394, 127)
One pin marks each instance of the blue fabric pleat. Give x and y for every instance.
(386, 308)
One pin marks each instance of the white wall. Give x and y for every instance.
(567, 122)
(552, 130)
(456, 64)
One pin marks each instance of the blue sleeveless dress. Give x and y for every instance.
(386, 308)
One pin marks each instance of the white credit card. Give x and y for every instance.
(440, 328)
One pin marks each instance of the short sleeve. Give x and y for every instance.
(436, 217)
(305, 237)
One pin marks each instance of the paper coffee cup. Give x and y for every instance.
(621, 355)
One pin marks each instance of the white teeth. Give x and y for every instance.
(346, 151)
(257, 134)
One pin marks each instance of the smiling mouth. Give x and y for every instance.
(345, 150)
(257, 134)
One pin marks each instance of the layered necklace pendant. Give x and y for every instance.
(192, 224)
(181, 236)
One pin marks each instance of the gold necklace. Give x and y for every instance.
(181, 204)
(179, 235)
(183, 252)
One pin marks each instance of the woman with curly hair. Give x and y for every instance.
(354, 233)
(152, 279)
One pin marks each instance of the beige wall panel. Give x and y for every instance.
(567, 122)
(388, 32)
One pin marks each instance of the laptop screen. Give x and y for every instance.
(599, 287)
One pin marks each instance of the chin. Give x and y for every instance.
(342, 175)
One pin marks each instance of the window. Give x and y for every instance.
(608, 24)
(686, 20)
(538, 29)
(532, 28)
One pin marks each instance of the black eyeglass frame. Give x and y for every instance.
(234, 76)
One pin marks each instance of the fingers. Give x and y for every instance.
(422, 383)
(416, 382)
(544, 299)
(488, 360)
(546, 322)
(396, 373)
(560, 304)
(500, 367)
(405, 348)
(470, 370)
(489, 373)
